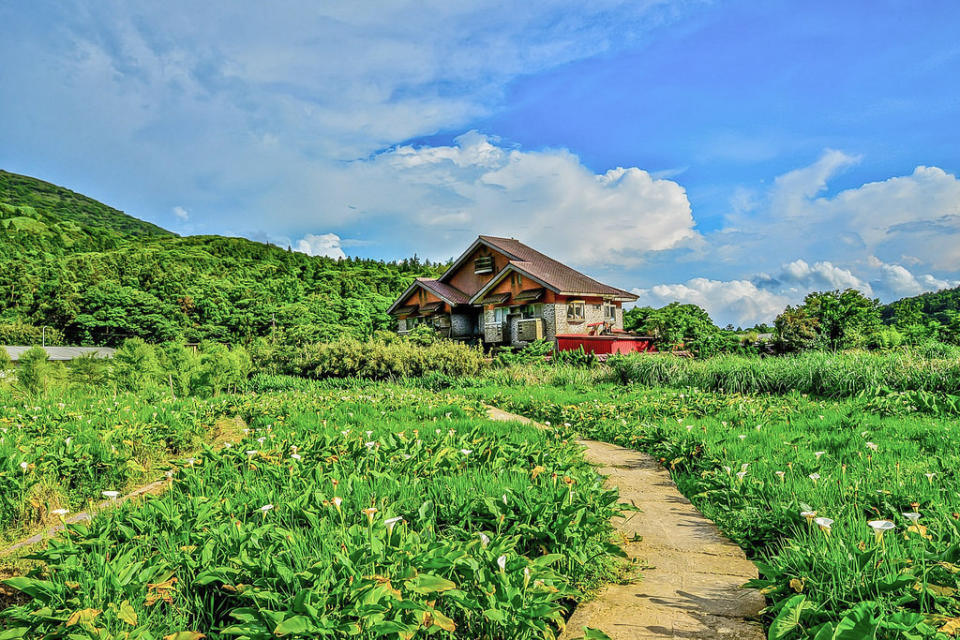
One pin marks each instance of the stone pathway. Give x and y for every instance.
(691, 581)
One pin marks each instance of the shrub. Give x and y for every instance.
(33, 375)
(89, 371)
(135, 365)
(378, 360)
(5, 361)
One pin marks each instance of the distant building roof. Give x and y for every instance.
(63, 353)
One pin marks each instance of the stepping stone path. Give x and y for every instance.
(691, 581)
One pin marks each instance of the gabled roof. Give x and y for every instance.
(450, 295)
(552, 273)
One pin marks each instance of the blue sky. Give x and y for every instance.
(731, 154)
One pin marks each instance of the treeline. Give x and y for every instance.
(826, 320)
(94, 276)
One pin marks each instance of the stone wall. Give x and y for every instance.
(592, 313)
(461, 325)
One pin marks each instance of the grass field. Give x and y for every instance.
(375, 512)
(849, 507)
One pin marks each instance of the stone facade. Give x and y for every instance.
(461, 325)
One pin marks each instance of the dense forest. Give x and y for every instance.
(94, 275)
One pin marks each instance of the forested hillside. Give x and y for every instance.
(97, 276)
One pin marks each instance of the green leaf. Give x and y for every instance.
(429, 583)
(293, 624)
(589, 633)
(127, 614)
(14, 634)
(789, 617)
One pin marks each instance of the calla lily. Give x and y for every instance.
(295, 456)
(60, 512)
(814, 477)
(110, 494)
(741, 475)
(265, 508)
(881, 526)
(809, 515)
(484, 540)
(502, 563)
(818, 453)
(912, 516)
(466, 452)
(824, 524)
(24, 466)
(337, 501)
(370, 511)
(780, 474)
(390, 522)
(251, 452)
(872, 446)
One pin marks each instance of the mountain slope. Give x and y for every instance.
(98, 276)
(39, 216)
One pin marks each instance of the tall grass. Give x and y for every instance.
(829, 375)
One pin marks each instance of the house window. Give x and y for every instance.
(530, 311)
(483, 264)
(610, 312)
(575, 312)
(500, 314)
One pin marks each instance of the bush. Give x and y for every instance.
(34, 373)
(89, 371)
(378, 360)
(5, 361)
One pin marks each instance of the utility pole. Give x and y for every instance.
(43, 336)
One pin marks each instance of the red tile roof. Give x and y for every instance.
(552, 273)
(445, 291)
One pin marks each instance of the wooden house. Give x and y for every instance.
(502, 292)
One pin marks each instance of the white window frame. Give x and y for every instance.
(572, 306)
(610, 312)
(502, 312)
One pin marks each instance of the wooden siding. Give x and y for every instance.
(469, 282)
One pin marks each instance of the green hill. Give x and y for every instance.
(97, 276)
(942, 307)
(43, 217)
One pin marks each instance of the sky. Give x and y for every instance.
(731, 154)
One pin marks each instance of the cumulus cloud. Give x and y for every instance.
(546, 197)
(801, 277)
(738, 302)
(913, 218)
(326, 244)
(181, 214)
(761, 298)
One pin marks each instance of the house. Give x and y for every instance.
(502, 292)
(61, 354)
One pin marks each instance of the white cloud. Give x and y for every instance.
(746, 302)
(913, 218)
(547, 198)
(896, 281)
(181, 214)
(801, 277)
(739, 302)
(326, 244)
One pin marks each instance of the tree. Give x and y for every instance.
(5, 361)
(672, 325)
(837, 320)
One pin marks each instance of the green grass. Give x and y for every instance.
(375, 512)
(825, 374)
(841, 459)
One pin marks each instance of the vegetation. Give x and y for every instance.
(373, 513)
(850, 508)
(821, 374)
(97, 276)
